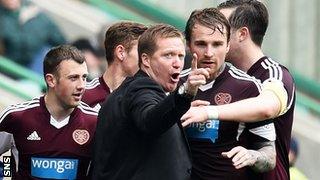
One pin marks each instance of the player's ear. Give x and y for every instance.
(243, 33)
(120, 52)
(50, 80)
(145, 60)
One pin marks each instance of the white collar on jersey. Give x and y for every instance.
(59, 124)
(207, 86)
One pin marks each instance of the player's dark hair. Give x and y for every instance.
(231, 4)
(58, 54)
(208, 17)
(122, 33)
(251, 14)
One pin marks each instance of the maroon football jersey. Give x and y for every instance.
(209, 139)
(49, 149)
(96, 92)
(264, 69)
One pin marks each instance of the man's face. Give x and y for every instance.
(131, 61)
(69, 85)
(11, 5)
(94, 64)
(234, 41)
(210, 46)
(167, 62)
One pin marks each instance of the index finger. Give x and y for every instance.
(194, 61)
(199, 103)
(231, 153)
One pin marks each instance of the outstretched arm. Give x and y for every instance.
(271, 103)
(264, 106)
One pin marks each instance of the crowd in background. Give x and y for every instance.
(28, 33)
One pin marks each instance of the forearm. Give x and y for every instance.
(255, 109)
(265, 157)
(158, 118)
(6, 140)
(265, 106)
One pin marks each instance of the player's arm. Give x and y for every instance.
(6, 142)
(6, 139)
(261, 160)
(270, 103)
(266, 157)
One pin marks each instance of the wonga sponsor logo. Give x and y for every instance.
(54, 168)
(204, 130)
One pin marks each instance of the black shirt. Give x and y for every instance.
(139, 135)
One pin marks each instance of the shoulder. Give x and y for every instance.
(143, 83)
(96, 91)
(244, 78)
(279, 72)
(87, 110)
(274, 69)
(20, 108)
(140, 89)
(93, 83)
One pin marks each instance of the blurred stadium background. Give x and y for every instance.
(292, 38)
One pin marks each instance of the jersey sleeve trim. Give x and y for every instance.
(87, 109)
(92, 84)
(275, 71)
(238, 74)
(278, 89)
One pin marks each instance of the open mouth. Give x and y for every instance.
(175, 77)
(77, 95)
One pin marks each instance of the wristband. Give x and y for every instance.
(212, 112)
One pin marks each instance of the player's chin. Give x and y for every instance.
(171, 87)
(74, 104)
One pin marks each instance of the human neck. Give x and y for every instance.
(220, 70)
(148, 71)
(248, 57)
(114, 76)
(56, 110)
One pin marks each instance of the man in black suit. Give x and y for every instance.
(139, 135)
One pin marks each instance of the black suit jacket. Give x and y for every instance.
(139, 134)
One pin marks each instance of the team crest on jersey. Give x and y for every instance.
(80, 136)
(222, 98)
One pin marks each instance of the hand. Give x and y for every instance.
(196, 103)
(194, 114)
(196, 77)
(241, 156)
